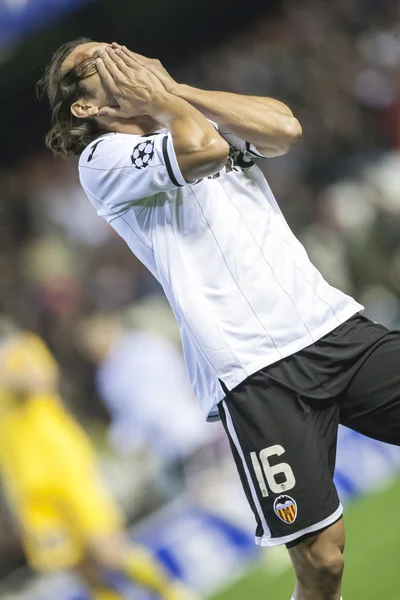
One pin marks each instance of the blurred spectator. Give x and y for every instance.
(142, 379)
(64, 513)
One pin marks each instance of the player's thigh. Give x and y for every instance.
(371, 404)
(48, 540)
(285, 453)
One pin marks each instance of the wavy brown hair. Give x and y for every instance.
(68, 135)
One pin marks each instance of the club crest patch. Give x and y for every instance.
(142, 154)
(285, 509)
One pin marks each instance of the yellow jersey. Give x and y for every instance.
(38, 438)
(48, 466)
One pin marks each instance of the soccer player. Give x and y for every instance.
(271, 348)
(66, 517)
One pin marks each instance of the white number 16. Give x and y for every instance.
(271, 472)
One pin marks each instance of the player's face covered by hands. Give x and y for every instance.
(121, 84)
(135, 88)
(81, 62)
(152, 65)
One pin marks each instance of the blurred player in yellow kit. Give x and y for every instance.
(67, 518)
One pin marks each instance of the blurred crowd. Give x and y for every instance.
(66, 275)
(337, 66)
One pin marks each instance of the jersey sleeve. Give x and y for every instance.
(238, 146)
(118, 170)
(248, 150)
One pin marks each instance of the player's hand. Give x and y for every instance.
(136, 90)
(153, 65)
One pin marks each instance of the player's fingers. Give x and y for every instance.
(128, 60)
(152, 64)
(105, 76)
(142, 60)
(111, 66)
(122, 64)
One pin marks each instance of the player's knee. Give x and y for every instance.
(319, 561)
(326, 562)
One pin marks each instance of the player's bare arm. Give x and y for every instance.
(199, 149)
(265, 122)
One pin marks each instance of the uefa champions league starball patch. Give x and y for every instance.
(285, 509)
(142, 154)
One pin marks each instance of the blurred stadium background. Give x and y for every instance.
(65, 275)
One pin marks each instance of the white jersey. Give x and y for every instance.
(241, 286)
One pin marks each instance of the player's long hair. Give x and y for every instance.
(68, 135)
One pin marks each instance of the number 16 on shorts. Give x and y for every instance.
(278, 478)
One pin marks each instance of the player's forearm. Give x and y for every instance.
(199, 149)
(265, 122)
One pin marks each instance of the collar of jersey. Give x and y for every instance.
(157, 132)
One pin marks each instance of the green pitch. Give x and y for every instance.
(372, 556)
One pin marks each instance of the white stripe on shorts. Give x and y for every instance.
(232, 433)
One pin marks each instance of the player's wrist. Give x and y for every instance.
(185, 92)
(159, 103)
(165, 106)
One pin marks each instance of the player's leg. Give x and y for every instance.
(51, 544)
(371, 404)
(46, 536)
(318, 563)
(283, 438)
(99, 522)
(116, 553)
(88, 573)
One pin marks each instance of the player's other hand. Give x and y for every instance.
(135, 88)
(153, 65)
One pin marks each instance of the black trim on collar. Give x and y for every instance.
(168, 162)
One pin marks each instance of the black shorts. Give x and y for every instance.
(282, 425)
